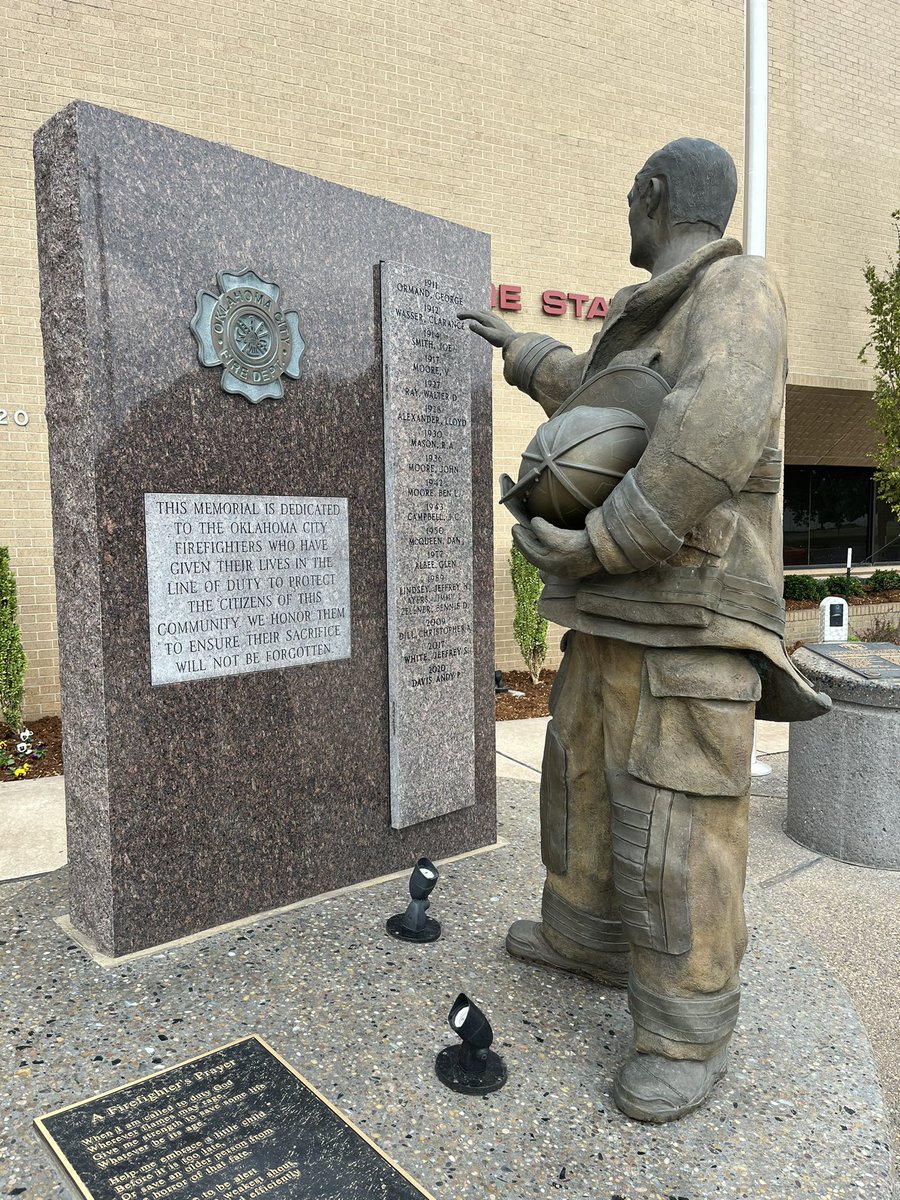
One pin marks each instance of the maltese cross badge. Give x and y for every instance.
(245, 331)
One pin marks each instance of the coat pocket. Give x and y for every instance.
(715, 533)
(694, 729)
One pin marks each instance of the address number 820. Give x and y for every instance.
(19, 417)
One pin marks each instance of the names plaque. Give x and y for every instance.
(871, 660)
(245, 583)
(428, 485)
(235, 1124)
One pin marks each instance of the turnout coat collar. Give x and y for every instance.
(638, 309)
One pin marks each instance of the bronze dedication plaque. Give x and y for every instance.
(871, 660)
(238, 1123)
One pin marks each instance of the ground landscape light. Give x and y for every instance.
(471, 1068)
(413, 925)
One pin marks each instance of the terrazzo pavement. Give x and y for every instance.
(362, 1017)
(847, 915)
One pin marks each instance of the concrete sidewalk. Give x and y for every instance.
(32, 827)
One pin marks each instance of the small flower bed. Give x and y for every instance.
(43, 760)
(18, 754)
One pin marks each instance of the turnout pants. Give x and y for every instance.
(644, 804)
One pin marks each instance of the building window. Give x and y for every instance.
(830, 510)
(886, 535)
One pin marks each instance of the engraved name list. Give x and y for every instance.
(428, 477)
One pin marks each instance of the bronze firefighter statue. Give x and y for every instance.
(671, 594)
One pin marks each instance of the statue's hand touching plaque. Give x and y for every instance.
(493, 329)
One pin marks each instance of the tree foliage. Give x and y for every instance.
(12, 656)
(884, 322)
(529, 627)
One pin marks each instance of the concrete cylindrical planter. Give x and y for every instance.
(844, 768)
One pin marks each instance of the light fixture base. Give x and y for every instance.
(451, 1074)
(430, 933)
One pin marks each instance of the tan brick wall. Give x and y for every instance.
(828, 427)
(524, 119)
(833, 173)
(804, 624)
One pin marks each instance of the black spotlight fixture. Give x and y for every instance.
(499, 685)
(413, 925)
(471, 1068)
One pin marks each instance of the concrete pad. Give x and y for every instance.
(520, 747)
(772, 855)
(848, 915)
(772, 737)
(32, 827)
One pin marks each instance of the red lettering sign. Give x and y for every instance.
(554, 302)
(577, 298)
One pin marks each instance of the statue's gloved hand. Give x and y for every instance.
(493, 329)
(564, 552)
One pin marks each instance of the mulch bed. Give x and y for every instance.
(869, 598)
(532, 704)
(47, 730)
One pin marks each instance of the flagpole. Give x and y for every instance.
(756, 123)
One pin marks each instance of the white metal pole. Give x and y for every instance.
(756, 123)
(756, 163)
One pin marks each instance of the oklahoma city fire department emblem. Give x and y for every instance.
(245, 331)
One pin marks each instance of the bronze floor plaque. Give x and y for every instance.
(872, 660)
(238, 1123)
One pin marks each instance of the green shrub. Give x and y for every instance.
(804, 587)
(883, 581)
(12, 656)
(529, 627)
(836, 585)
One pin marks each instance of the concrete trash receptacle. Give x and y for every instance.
(844, 768)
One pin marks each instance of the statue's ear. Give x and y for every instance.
(656, 192)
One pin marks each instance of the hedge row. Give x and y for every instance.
(807, 587)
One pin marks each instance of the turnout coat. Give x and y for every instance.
(690, 541)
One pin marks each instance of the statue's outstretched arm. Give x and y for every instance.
(538, 365)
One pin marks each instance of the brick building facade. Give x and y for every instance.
(527, 120)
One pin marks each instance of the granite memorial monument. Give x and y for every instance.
(270, 455)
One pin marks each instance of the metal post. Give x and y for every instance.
(756, 123)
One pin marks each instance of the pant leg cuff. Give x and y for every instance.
(706, 1020)
(604, 935)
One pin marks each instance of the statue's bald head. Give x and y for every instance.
(701, 181)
